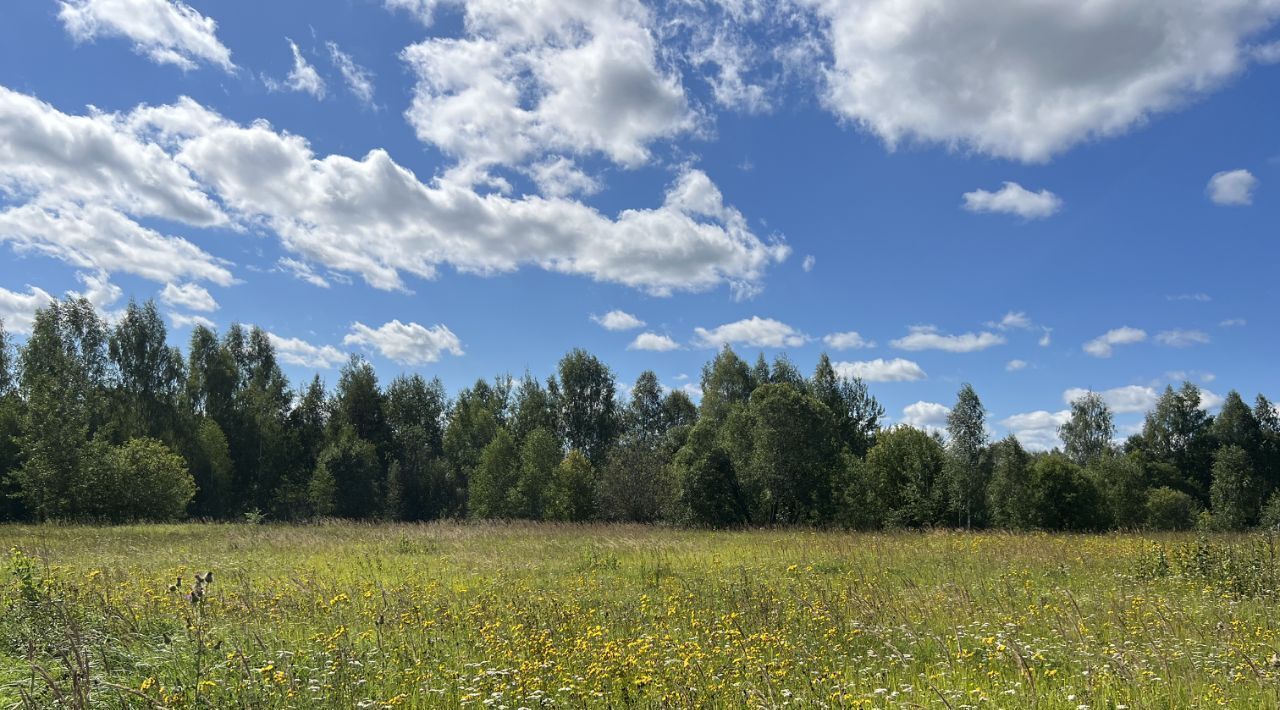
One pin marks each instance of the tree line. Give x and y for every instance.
(107, 422)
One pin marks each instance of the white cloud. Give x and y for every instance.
(405, 343)
(302, 78)
(1012, 320)
(369, 217)
(542, 76)
(1199, 297)
(1103, 345)
(359, 80)
(653, 342)
(422, 10)
(296, 351)
(374, 218)
(17, 310)
(1046, 338)
(1014, 199)
(1027, 79)
(752, 332)
(302, 271)
(929, 416)
(808, 263)
(1268, 53)
(99, 291)
(60, 158)
(927, 337)
(1178, 338)
(187, 320)
(1121, 400)
(1037, 431)
(560, 177)
(100, 238)
(693, 390)
(1015, 365)
(618, 320)
(1232, 188)
(1210, 400)
(848, 340)
(168, 32)
(881, 370)
(191, 296)
(1233, 323)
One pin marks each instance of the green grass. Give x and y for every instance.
(448, 615)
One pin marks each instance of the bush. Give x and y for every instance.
(145, 481)
(1168, 509)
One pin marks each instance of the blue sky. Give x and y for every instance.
(1034, 197)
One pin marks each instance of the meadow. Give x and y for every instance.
(533, 615)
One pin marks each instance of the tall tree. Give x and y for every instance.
(784, 372)
(471, 425)
(786, 473)
(1236, 425)
(1010, 494)
(1236, 492)
(1088, 434)
(726, 381)
(967, 474)
(1177, 432)
(588, 408)
(539, 457)
(1065, 498)
(535, 407)
(493, 491)
(646, 419)
(857, 413)
(64, 381)
(1265, 413)
(149, 375)
(905, 475)
(11, 415)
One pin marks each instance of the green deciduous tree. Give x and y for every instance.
(539, 457)
(904, 471)
(1236, 492)
(493, 492)
(1169, 509)
(348, 481)
(967, 473)
(588, 408)
(1011, 492)
(1177, 432)
(1087, 435)
(573, 489)
(1066, 499)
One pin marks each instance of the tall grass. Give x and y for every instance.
(449, 615)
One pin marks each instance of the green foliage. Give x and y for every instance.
(904, 472)
(1177, 432)
(539, 457)
(709, 491)
(785, 454)
(588, 410)
(1236, 492)
(573, 489)
(1011, 492)
(147, 481)
(493, 492)
(726, 381)
(1169, 509)
(967, 473)
(1086, 437)
(348, 479)
(212, 470)
(1121, 480)
(633, 484)
(1066, 499)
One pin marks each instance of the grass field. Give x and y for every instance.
(525, 616)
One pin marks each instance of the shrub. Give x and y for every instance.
(1168, 509)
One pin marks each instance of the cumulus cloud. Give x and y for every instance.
(188, 320)
(1014, 199)
(881, 370)
(1232, 188)
(849, 340)
(168, 32)
(1104, 345)
(405, 343)
(618, 320)
(1179, 338)
(540, 77)
(560, 177)
(927, 337)
(752, 332)
(100, 238)
(1012, 320)
(296, 351)
(929, 416)
(302, 271)
(1121, 400)
(17, 310)
(302, 78)
(808, 263)
(1030, 78)
(1015, 365)
(193, 297)
(358, 79)
(1038, 430)
(654, 342)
